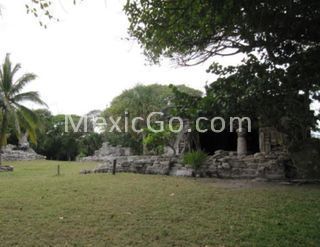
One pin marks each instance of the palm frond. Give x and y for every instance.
(16, 68)
(29, 127)
(31, 96)
(6, 81)
(29, 120)
(22, 82)
(28, 114)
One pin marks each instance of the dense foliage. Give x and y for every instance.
(140, 101)
(279, 76)
(157, 141)
(57, 144)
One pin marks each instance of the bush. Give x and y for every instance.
(195, 159)
(305, 157)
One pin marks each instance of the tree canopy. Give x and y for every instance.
(194, 29)
(280, 75)
(140, 101)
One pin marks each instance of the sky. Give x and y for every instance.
(86, 59)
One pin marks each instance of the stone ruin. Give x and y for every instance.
(273, 163)
(6, 168)
(220, 165)
(271, 140)
(108, 150)
(14, 153)
(18, 153)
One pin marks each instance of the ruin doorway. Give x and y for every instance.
(226, 140)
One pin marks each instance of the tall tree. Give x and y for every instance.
(279, 38)
(140, 101)
(12, 99)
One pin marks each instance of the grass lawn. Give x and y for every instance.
(38, 208)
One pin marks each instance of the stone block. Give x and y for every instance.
(225, 166)
(6, 168)
(181, 172)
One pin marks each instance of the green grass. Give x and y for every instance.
(38, 208)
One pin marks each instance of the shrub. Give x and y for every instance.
(195, 159)
(305, 157)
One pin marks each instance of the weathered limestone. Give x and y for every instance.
(6, 168)
(250, 166)
(108, 151)
(241, 142)
(23, 142)
(222, 164)
(270, 140)
(181, 170)
(137, 164)
(12, 153)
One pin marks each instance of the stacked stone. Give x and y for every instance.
(6, 168)
(108, 151)
(222, 164)
(10, 153)
(229, 165)
(137, 164)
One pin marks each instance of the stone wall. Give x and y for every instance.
(108, 151)
(11, 153)
(222, 165)
(138, 164)
(271, 140)
(229, 165)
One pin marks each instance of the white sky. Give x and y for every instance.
(85, 60)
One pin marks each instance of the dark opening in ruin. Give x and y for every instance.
(211, 142)
(253, 142)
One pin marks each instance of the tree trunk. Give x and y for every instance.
(307, 103)
(4, 126)
(195, 141)
(144, 145)
(173, 149)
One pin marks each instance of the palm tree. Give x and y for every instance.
(11, 102)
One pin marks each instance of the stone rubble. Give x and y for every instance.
(11, 153)
(222, 164)
(6, 168)
(108, 151)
